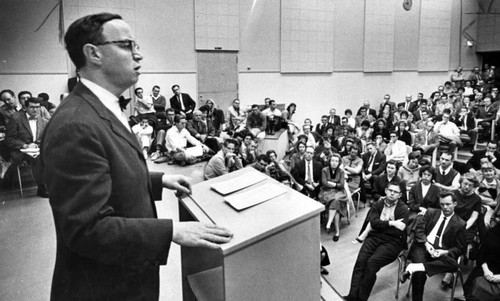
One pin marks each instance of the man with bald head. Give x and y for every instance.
(110, 242)
(408, 104)
(369, 111)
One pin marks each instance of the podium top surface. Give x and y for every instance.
(252, 224)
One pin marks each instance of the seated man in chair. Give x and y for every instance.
(24, 132)
(440, 240)
(307, 173)
(448, 133)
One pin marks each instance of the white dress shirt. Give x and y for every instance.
(32, 123)
(108, 99)
(432, 235)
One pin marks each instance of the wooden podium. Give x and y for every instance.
(274, 254)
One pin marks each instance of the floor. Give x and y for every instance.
(27, 248)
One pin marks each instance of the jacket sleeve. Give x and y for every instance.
(12, 135)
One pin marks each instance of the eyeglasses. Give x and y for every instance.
(393, 191)
(130, 44)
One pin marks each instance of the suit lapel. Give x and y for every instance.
(26, 124)
(106, 114)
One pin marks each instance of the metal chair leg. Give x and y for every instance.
(19, 179)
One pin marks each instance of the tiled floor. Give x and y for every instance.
(27, 250)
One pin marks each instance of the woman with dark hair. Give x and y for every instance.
(380, 128)
(424, 194)
(350, 120)
(293, 126)
(332, 193)
(403, 133)
(298, 155)
(364, 132)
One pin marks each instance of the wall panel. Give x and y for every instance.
(406, 35)
(379, 36)
(349, 24)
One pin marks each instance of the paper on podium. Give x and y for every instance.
(237, 183)
(255, 196)
(194, 151)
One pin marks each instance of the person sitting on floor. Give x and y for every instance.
(223, 162)
(177, 139)
(142, 132)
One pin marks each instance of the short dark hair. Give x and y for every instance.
(429, 169)
(412, 156)
(176, 85)
(178, 118)
(137, 89)
(446, 193)
(271, 151)
(391, 162)
(32, 100)
(22, 93)
(348, 111)
(8, 91)
(230, 141)
(169, 110)
(255, 106)
(156, 86)
(44, 96)
(365, 123)
(264, 157)
(86, 30)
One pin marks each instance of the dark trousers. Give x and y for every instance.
(433, 266)
(375, 253)
(35, 163)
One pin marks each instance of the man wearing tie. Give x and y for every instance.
(440, 240)
(24, 132)
(182, 102)
(409, 106)
(308, 174)
(426, 141)
(333, 119)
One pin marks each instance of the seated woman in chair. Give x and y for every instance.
(332, 193)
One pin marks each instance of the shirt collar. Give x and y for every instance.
(446, 171)
(106, 97)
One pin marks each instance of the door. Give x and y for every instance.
(217, 77)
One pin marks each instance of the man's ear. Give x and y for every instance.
(92, 54)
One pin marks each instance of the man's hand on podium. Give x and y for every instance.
(196, 234)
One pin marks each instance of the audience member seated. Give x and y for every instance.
(293, 126)
(410, 172)
(324, 153)
(262, 164)
(468, 205)
(364, 116)
(381, 181)
(424, 194)
(439, 242)
(165, 122)
(489, 187)
(422, 107)
(387, 103)
(143, 132)
(344, 126)
(353, 166)
(386, 239)
(9, 109)
(332, 193)
(177, 142)
(369, 111)
(237, 116)
(256, 122)
(182, 102)
(24, 95)
(311, 140)
(223, 162)
(143, 107)
(408, 104)
(214, 116)
(202, 131)
(273, 118)
(249, 154)
(427, 140)
(420, 124)
(328, 134)
(307, 173)
(380, 144)
(396, 150)
(447, 178)
(486, 113)
(50, 107)
(277, 170)
(380, 129)
(403, 133)
(364, 131)
(322, 126)
(483, 283)
(373, 162)
(334, 119)
(24, 132)
(159, 101)
(298, 155)
(350, 120)
(447, 132)
(491, 153)
(466, 123)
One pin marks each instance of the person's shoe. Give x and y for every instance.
(404, 276)
(155, 155)
(161, 159)
(324, 271)
(336, 238)
(357, 241)
(42, 191)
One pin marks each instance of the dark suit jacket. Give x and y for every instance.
(378, 163)
(380, 183)
(369, 111)
(189, 104)
(412, 107)
(19, 133)
(109, 241)
(336, 120)
(320, 129)
(416, 200)
(453, 236)
(471, 122)
(299, 171)
(475, 161)
(381, 228)
(391, 103)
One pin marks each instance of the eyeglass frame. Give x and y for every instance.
(130, 44)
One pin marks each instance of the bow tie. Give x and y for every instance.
(123, 102)
(32, 118)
